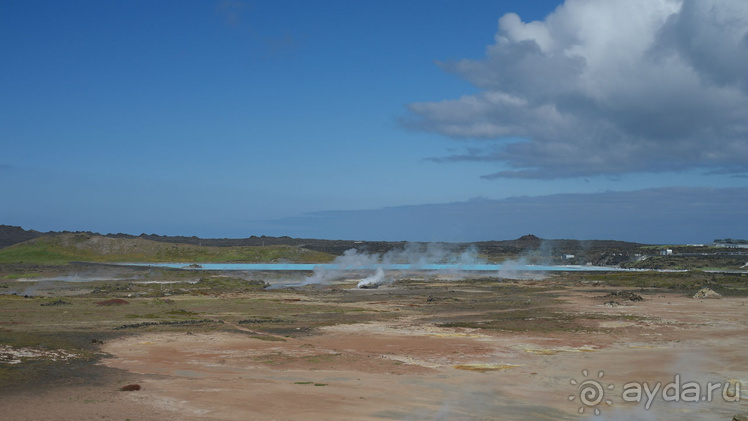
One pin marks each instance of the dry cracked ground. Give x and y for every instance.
(418, 349)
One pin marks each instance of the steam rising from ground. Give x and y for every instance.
(513, 269)
(34, 285)
(374, 280)
(417, 255)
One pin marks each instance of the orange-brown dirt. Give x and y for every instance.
(414, 368)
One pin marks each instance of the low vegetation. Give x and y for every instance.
(687, 262)
(71, 319)
(72, 247)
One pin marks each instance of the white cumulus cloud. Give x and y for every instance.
(605, 87)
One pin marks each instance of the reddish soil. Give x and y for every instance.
(406, 369)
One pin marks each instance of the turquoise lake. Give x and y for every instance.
(404, 267)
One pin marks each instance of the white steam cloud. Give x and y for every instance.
(517, 269)
(417, 255)
(374, 280)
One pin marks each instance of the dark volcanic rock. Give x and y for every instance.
(625, 295)
(10, 235)
(193, 266)
(57, 303)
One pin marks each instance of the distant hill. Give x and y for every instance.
(144, 246)
(67, 247)
(10, 235)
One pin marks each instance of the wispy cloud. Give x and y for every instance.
(605, 88)
(236, 13)
(232, 11)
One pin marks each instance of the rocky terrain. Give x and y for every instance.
(190, 345)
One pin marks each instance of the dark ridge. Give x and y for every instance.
(10, 235)
(335, 247)
(590, 250)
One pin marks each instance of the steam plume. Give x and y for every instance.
(374, 280)
(415, 256)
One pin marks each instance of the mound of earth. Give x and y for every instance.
(706, 293)
(113, 302)
(625, 295)
(57, 303)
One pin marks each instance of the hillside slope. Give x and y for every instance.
(152, 247)
(63, 248)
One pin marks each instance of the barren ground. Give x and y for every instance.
(415, 350)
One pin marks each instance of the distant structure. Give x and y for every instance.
(731, 243)
(567, 256)
(666, 252)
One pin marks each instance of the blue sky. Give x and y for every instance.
(334, 119)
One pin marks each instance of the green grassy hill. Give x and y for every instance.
(78, 247)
